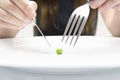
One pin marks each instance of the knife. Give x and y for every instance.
(41, 32)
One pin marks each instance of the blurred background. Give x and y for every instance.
(101, 29)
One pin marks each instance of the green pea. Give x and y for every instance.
(59, 50)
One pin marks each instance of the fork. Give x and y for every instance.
(76, 23)
(41, 32)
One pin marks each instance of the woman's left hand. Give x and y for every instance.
(104, 5)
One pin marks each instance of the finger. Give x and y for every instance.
(25, 6)
(14, 10)
(5, 16)
(117, 7)
(109, 4)
(7, 25)
(97, 3)
(34, 6)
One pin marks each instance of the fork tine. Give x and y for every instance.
(72, 26)
(76, 23)
(76, 28)
(80, 29)
(68, 25)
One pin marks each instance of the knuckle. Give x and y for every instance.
(9, 5)
(115, 1)
(27, 7)
(2, 22)
(3, 14)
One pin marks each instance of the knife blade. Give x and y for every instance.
(41, 33)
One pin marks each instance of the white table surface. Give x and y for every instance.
(91, 54)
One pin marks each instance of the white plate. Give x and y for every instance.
(35, 54)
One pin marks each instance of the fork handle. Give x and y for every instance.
(89, 1)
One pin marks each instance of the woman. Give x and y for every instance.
(16, 14)
(53, 16)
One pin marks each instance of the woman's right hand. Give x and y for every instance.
(16, 14)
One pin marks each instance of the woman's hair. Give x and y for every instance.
(48, 10)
